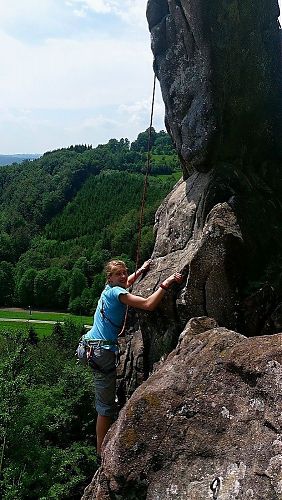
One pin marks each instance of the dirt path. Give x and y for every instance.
(26, 310)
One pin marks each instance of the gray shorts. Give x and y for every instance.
(105, 383)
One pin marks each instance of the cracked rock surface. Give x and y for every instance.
(220, 74)
(207, 251)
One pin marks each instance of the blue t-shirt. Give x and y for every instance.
(114, 310)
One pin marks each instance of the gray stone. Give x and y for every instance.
(220, 80)
(209, 418)
(208, 253)
(220, 73)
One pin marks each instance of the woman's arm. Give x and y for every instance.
(153, 300)
(133, 277)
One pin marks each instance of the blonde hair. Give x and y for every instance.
(111, 266)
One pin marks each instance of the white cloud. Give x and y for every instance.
(73, 74)
(134, 13)
(72, 71)
(68, 77)
(99, 6)
(139, 112)
(93, 122)
(80, 13)
(63, 91)
(130, 11)
(23, 10)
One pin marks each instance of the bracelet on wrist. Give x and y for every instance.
(164, 287)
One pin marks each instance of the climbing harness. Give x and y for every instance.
(86, 348)
(97, 344)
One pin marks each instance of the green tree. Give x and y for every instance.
(97, 288)
(25, 287)
(7, 282)
(12, 399)
(47, 422)
(163, 143)
(141, 143)
(75, 306)
(32, 336)
(77, 283)
(47, 287)
(87, 304)
(7, 252)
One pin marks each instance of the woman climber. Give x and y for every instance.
(102, 339)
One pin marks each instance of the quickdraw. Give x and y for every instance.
(215, 487)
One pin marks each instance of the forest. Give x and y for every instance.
(65, 214)
(62, 217)
(47, 416)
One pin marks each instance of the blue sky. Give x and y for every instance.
(74, 71)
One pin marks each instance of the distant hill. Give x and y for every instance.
(9, 159)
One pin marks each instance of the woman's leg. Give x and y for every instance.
(102, 426)
(105, 391)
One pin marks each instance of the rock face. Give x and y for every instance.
(220, 73)
(206, 424)
(207, 250)
(220, 78)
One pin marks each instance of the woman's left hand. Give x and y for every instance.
(146, 265)
(174, 278)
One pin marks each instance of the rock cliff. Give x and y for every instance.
(221, 78)
(207, 421)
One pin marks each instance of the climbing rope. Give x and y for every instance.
(145, 187)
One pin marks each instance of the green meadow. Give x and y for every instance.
(41, 329)
(45, 316)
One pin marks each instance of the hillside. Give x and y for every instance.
(65, 214)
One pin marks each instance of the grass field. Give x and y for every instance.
(40, 328)
(49, 316)
(177, 175)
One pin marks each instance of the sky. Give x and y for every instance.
(74, 72)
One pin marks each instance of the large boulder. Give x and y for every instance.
(206, 424)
